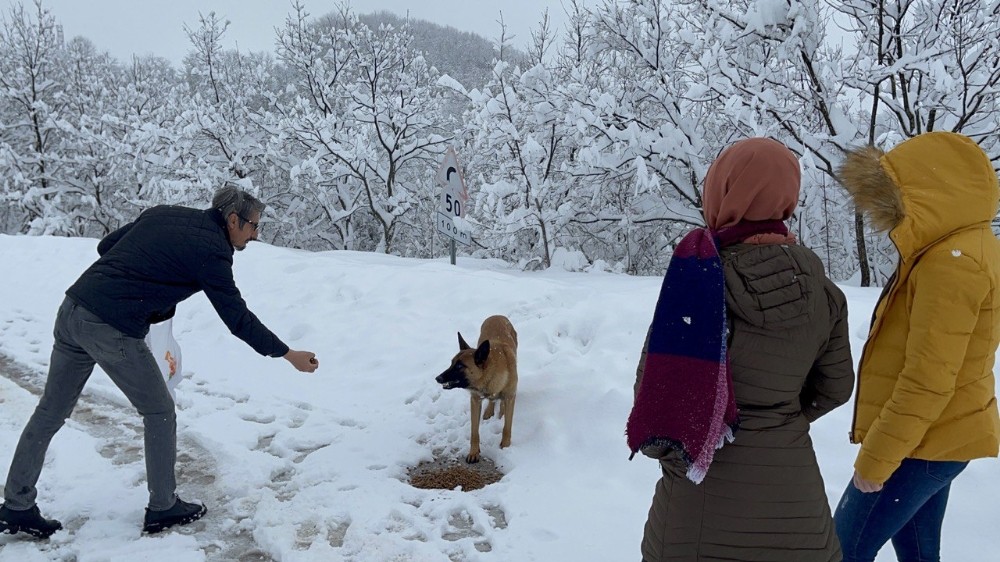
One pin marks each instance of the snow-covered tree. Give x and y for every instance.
(91, 143)
(366, 122)
(919, 66)
(30, 93)
(221, 129)
(396, 108)
(147, 103)
(321, 66)
(650, 140)
(514, 139)
(891, 70)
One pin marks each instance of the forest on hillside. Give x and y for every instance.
(587, 150)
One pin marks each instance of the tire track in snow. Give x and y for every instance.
(120, 428)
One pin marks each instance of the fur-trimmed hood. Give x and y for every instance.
(923, 189)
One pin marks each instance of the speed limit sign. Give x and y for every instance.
(453, 198)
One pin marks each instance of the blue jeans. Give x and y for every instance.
(909, 510)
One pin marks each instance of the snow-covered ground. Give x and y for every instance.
(313, 467)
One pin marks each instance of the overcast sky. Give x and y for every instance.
(124, 27)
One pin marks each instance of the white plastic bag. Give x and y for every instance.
(166, 351)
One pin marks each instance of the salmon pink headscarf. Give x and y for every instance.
(754, 179)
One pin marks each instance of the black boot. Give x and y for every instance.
(181, 513)
(28, 521)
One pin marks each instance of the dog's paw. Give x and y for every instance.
(504, 443)
(472, 458)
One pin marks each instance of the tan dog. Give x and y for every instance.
(488, 372)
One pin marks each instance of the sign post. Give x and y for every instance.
(452, 202)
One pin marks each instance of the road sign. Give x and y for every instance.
(453, 198)
(446, 226)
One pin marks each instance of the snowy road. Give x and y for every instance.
(119, 430)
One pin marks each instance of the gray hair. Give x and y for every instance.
(229, 200)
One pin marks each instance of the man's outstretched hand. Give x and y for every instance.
(304, 361)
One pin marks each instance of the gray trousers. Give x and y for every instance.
(81, 341)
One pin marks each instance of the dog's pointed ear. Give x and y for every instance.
(462, 346)
(482, 353)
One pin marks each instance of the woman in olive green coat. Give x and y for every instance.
(762, 497)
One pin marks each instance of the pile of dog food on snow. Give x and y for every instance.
(450, 474)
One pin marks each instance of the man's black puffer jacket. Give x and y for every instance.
(168, 254)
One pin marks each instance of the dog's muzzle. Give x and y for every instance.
(450, 379)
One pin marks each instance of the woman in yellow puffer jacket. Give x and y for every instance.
(926, 395)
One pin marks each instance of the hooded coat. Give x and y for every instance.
(926, 388)
(763, 498)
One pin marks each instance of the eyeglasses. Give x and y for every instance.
(255, 225)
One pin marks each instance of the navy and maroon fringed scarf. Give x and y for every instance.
(685, 399)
